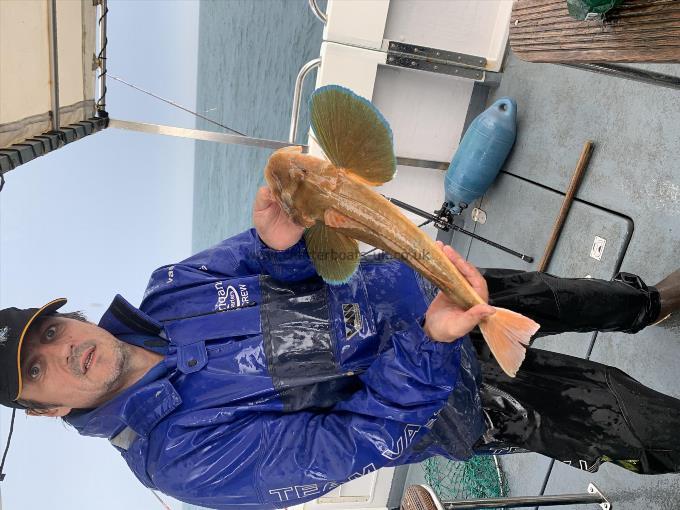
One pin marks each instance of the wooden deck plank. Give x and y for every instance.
(636, 31)
(640, 28)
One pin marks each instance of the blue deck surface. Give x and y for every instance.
(630, 196)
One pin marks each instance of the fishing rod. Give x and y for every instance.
(443, 219)
(176, 105)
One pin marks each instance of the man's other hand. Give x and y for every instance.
(445, 321)
(273, 225)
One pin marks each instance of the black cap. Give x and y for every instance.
(14, 324)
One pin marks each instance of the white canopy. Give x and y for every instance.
(25, 74)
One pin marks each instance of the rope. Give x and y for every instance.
(165, 505)
(9, 438)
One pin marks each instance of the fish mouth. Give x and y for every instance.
(87, 360)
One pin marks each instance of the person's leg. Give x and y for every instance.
(669, 292)
(570, 409)
(577, 304)
(579, 412)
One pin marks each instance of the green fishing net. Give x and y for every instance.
(478, 477)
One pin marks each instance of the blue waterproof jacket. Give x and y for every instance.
(277, 388)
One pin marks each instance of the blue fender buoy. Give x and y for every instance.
(481, 154)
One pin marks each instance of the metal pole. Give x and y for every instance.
(318, 12)
(54, 63)
(101, 59)
(297, 93)
(418, 497)
(631, 73)
(517, 502)
(423, 163)
(212, 136)
(198, 134)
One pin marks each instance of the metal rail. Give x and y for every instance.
(422, 496)
(211, 136)
(101, 56)
(295, 114)
(423, 163)
(318, 12)
(198, 134)
(54, 63)
(518, 502)
(304, 71)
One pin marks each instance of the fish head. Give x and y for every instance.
(301, 184)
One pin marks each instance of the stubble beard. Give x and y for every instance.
(121, 367)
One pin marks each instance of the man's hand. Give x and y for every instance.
(273, 225)
(445, 321)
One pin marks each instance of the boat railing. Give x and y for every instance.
(299, 81)
(422, 496)
(317, 11)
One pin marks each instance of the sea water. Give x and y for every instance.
(249, 54)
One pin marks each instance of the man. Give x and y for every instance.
(243, 381)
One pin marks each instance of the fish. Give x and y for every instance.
(333, 199)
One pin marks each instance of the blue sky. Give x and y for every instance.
(94, 219)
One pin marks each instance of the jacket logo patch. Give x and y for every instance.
(4, 335)
(352, 319)
(231, 297)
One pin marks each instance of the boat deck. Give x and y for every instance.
(630, 196)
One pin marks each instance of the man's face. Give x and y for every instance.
(67, 363)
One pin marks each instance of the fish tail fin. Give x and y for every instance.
(508, 334)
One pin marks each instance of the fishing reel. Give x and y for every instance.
(443, 220)
(445, 214)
